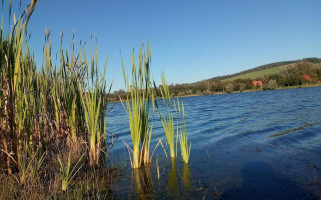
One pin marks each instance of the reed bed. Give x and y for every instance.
(55, 109)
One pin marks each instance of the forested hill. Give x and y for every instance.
(263, 67)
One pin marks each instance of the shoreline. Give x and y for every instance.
(245, 91)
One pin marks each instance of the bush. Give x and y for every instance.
(272, 84)
(229, 88)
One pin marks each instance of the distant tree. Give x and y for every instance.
(318, 72)
(303, 67)
(181, 94)
(264, 86)
(189, 92)
(242, 86)
(217, 86)
(199, 93)
(229, 88)
(313, 60)
(248, 85)
(206, 92)
(272, 85)
(200, 86)
(236, 86)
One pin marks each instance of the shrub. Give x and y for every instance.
(272, 84)
(229, 88)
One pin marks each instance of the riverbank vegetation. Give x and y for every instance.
(281, 75)
(52, 119)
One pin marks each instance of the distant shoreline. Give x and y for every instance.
(245, 91)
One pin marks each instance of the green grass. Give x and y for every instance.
(261, 73)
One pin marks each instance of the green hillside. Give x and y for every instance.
(261, 73)
(272, 68)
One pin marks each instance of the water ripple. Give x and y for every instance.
(287, 117)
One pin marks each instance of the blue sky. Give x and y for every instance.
(190, 40)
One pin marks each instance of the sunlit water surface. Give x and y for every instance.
(259, 145)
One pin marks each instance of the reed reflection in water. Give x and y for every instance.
(175, 177)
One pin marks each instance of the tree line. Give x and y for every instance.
(295, 75)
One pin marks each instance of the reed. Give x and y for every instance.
(182, 133)
(139, 98)
(49, 107)
(91, 109)
(167, 117)
(93, 106)
(14, 64)
(67, 174)
(29, 167)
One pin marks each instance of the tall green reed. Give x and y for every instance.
(139, 98)
(183, 134)
(47, 106)
(167, 117)
(92, 105)
(78, 97)
(14, 87)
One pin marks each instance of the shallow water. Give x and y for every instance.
(259, 145)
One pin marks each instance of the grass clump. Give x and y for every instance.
(29, 167)
(167, 117)
(182, 133)
(139, 98)
(66, 174)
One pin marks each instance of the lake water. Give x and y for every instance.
(259, 145)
